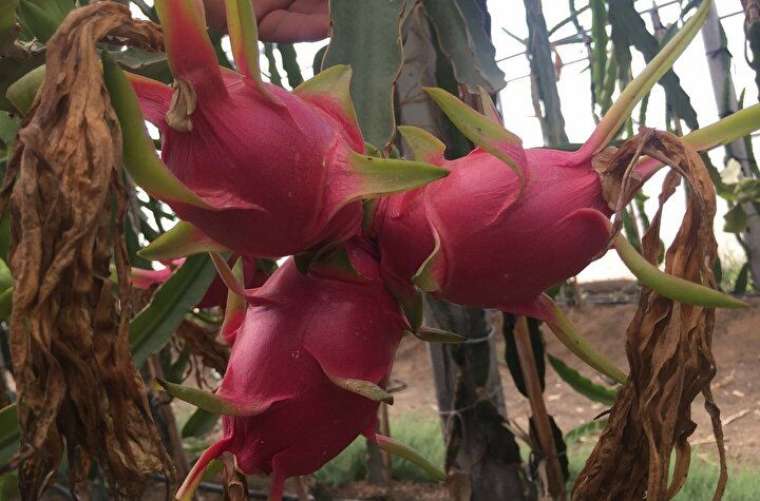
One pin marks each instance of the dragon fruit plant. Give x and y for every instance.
(309, 362)
(509, 223)
(264, 172)
(259, 170)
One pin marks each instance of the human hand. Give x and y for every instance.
(279, 20)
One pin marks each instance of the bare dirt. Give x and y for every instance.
(736, 345)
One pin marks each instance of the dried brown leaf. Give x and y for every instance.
(668, 344)
(78, 390)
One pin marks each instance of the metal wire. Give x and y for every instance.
(568, 39)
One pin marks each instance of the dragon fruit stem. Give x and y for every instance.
(193, 479)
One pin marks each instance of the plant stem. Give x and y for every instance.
(538, 409)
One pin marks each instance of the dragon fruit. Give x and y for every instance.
(485, 241)
(508, 223)
(260, 170)
(307, 367)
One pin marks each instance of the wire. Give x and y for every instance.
(568, 40)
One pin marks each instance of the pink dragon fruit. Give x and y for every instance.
(508, 223)
(486, 242)
(262, 171)
(306, 370)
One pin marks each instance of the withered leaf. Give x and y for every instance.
(78, 390)
(668, 344)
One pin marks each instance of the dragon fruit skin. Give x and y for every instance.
(263, 171)
(145, 279)
(261, 166)
(499, 247)
(299, 335)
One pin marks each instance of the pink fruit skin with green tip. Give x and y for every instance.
(272, 165)
(499, 248)
(145, 279)
(298, 329)
(262, 166)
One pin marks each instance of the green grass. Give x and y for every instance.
(424, 435)
(421, 433)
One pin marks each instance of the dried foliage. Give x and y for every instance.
(78, 390)
(668, 345)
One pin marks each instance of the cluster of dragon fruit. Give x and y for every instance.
(258, 172)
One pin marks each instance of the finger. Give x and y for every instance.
(287, 27)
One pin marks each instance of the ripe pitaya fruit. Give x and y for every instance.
(306, 370)
(508, 223)
(496, 245)
(260, 170)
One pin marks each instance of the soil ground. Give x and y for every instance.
(736, 346)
